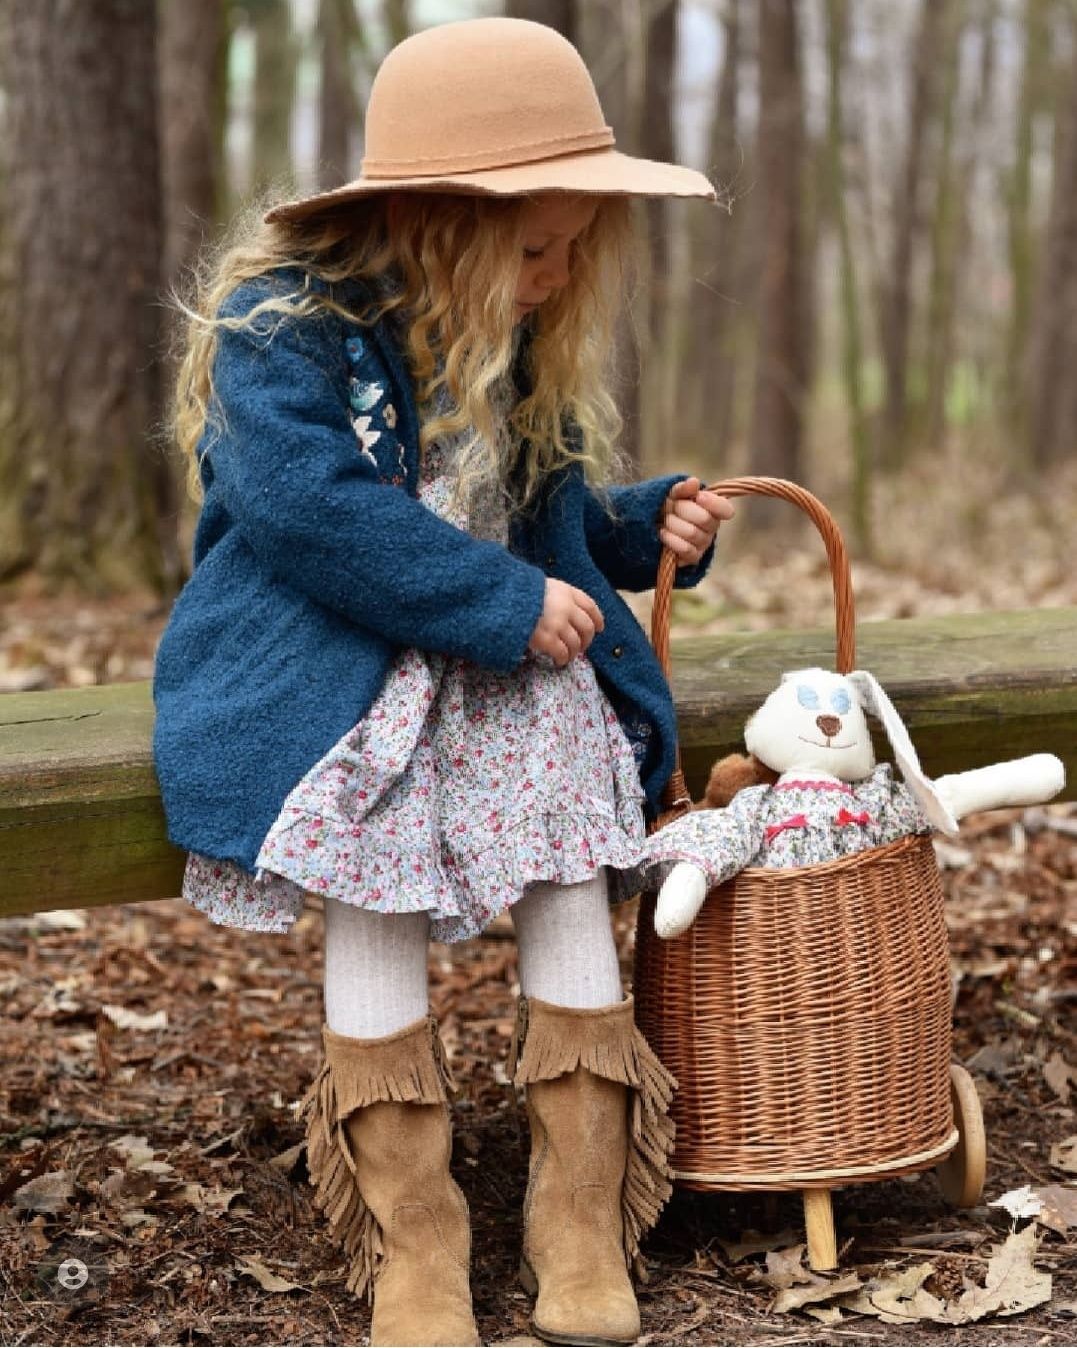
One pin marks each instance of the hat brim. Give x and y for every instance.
(594, 172)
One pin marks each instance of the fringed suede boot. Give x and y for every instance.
(378, 1148)
(598, 1105)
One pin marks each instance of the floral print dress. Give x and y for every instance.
(460, 786)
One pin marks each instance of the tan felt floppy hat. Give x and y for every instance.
(499, 107)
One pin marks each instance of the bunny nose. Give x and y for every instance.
(829, 725)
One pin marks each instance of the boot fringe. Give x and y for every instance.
(608, 1043)
(355, 1073)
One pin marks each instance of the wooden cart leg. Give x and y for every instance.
(819, 1222)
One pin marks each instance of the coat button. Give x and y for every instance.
(550, 560)
(617, 652)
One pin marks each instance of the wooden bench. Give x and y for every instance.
(81, 823)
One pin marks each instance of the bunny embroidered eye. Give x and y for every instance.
(840, 701)
(807, 696)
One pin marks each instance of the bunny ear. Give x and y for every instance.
(874, 700)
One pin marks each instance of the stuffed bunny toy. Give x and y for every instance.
(811, 791)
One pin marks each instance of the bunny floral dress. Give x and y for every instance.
(457, 789)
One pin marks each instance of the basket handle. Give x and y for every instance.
(675, 797)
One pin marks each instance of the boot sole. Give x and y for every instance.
(530, 1285)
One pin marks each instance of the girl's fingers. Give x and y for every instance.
(718, 507)
(678, 545)
(692, 533)
(691, 511)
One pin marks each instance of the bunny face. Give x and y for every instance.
(813, 722)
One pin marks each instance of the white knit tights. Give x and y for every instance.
(376, 963)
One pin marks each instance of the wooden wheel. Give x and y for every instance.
(961, 1174)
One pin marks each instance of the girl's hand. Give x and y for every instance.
(570, 618)
(690, 519)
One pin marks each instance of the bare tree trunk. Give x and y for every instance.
(340, 116)
(88, 499)
(1053, 398)
(780, 390)
(837, 17)
(896, 304)
(559, 14)
(606, 34)
(716, 270)
(657, 143)
(1034, 68)
(661, 315)
(274, 93)
(945, 233)
(191, 49)
(397, 15)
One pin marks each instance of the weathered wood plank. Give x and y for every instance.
(81, 821)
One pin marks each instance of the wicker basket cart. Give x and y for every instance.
(807, 1011)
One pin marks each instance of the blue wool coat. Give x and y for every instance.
(314, 563)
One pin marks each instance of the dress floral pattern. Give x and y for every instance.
(458, 788)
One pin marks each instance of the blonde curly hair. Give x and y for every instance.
(459, 259)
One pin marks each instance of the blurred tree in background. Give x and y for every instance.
(892, 263)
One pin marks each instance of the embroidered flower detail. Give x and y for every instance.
(367, 438)
(355, 347)
(794, 821)
(844, 817)
(364, 394)
(389, 413)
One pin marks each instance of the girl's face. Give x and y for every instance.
(550, 226)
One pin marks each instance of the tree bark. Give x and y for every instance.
(559, 14)
(274, 93)
(946, 229)
(192, 49)
(607, 35)
(896, 306)
(1053, 399)
(397, 20)
(1034, 78)
(837, 31)
(717, 269)
(89, 499)
(780, 386)
(340, 116)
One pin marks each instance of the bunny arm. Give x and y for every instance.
(1019, 781)
(680, 899)
(708, 846)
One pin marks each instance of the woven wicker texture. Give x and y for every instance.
(806, 1013)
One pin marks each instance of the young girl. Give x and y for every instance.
(401, 677)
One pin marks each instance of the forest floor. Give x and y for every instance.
(150, 1059)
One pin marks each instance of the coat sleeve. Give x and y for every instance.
(627, 549)
(286, 462)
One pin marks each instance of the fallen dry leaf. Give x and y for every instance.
(784, 1268)
(752, 1243)
(824, 1290)
(1012, 1284)
(47, 1193)
(255, 1269)
(124, 1019)
(1059, 1075)
(1064, 1155)
(897, 1298)
(1058, 1206)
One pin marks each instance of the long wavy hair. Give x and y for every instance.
(449, 265)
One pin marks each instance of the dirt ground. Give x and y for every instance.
(178, 1178)
(150, 1060)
